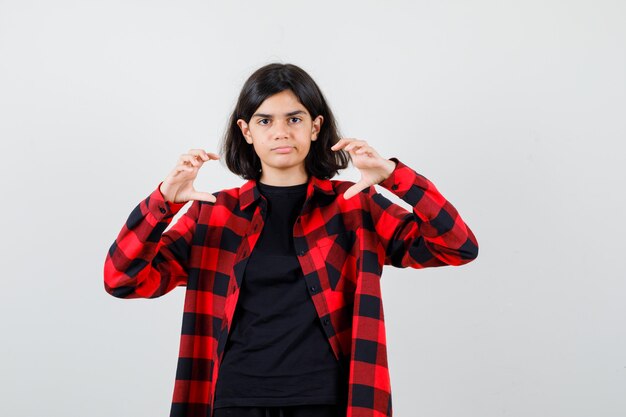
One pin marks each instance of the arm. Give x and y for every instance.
(432, 235)
(144, 262)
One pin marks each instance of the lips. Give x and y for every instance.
(283, 149)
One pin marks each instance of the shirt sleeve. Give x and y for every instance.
(144, 261)
(433, 234)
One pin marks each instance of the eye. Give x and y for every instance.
(295, 119)
(263, 121)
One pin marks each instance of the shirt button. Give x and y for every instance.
(313, 288)
(394, 187)
(301, 253)
(326, 321)
(162, 210)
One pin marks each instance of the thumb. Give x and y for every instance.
(355, 189)
(202, 196)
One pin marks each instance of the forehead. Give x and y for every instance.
(283, 102)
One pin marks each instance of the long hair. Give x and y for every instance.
(321, 161)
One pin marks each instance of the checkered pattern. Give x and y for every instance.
(341, 245)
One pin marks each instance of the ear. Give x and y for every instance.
(317, 125)
(245, 130)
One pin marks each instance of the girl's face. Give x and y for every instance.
(281, 131)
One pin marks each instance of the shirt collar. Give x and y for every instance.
(249, 192)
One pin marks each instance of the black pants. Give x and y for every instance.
(290, 411)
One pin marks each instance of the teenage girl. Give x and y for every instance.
(283, 315)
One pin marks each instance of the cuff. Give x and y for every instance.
(400, 179)
(160, 207)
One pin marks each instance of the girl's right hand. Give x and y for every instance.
(178, 186)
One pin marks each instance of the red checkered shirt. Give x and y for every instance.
(341, 245)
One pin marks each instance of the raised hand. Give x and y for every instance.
(178, 186)
(373, 167)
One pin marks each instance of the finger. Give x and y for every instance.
(202, 196)
(350, 192)
(186, 161)
(355, 145)
(189, 159)
(184, 158)
(340, 143)
(199, 153)
(354, 190)
(181, 168)
(365, 149)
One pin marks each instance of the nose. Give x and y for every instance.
(281, 130)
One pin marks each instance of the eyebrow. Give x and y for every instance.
(292, 113)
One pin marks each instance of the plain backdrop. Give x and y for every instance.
(516, 110)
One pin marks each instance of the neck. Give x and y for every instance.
(283, 178)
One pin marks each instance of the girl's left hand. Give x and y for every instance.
(374, 168)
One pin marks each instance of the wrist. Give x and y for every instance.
(166, 192)
(390, 167)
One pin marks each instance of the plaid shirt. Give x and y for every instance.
(341, 245)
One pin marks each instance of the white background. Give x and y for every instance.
(516, 110)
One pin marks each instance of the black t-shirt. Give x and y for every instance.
(277, 353)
